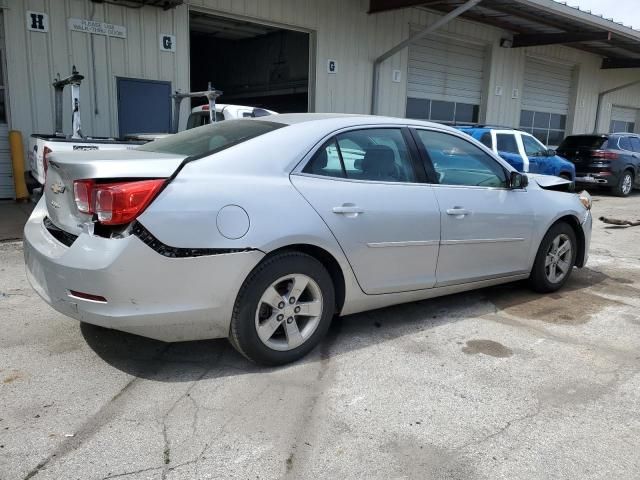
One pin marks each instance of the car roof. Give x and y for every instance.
(347, 119)
(486, 127)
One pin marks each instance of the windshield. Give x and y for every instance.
(584, 141)
(211, 138)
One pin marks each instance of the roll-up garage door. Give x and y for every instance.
(623, 119)
(444, 80)
(545, 100)
(441, 69)
(547, 87)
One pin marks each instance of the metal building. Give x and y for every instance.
(535, 64)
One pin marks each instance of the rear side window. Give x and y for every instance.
(635, 144)
(211, 138)
(506, 142)
(199, 119)
(594, 142)
(625, 143)
(485, 139)
(376, 154)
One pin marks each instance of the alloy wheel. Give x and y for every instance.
(627, 182)
(558, 260)
(289, 312)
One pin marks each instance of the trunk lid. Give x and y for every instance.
(100, 166)
(578, 148)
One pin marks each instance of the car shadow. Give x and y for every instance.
(189, 361)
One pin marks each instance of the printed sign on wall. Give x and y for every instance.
(167, 42)
(99, 28)
(37, 21)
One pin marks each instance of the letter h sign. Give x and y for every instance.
(37, 21)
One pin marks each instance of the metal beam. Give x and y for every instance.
(413, 38)
(532, 40)
(606, 92)
(378, 6)
(609, 63)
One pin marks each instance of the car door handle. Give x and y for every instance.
(348, 209)
(458, 211)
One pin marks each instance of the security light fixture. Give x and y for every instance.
(506, 43)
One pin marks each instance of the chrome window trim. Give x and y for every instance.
(410, 243)
(481, 240)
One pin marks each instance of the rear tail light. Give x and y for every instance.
(45, 161)
(115, 203)
(604, 154)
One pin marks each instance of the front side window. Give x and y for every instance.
(506, 142)
(532, 147)
(442, 112)
(211, 138)
(379, 154)
(458, 162)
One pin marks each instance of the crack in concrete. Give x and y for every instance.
(293, 462)
(89, 428)
(186, 394)
(503, 429)
(135, 472)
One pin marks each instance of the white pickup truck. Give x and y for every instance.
(41, 145)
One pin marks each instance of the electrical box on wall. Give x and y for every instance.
(396, 76)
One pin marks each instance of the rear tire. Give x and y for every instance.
(625, 184)
(555, 259)
(283, 309)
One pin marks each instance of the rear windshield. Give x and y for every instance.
(211, 138)
(584, 141)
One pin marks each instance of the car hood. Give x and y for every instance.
(550, 182)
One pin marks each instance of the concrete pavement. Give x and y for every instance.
(495, 384)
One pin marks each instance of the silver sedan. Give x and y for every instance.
(262, 230)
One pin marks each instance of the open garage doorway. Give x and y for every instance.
(253, 64)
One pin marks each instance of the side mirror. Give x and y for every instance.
(518, 180)
(551, 153)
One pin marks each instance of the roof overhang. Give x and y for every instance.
(164, 4)
(542, 22)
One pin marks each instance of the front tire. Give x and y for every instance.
(625, 184)
(283, 309)
(555, 259)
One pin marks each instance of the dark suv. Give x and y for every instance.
(611, 160)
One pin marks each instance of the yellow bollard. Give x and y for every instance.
(17, 160)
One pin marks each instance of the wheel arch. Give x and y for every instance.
(574, 223)
(327, 259)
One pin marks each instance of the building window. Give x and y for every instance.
(442, 112)
(618, 126)
(549, 128)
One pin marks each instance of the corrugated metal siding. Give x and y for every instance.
(341, 30)
(442, 69)
(547, 87)
(35, 58)
(6, 171)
